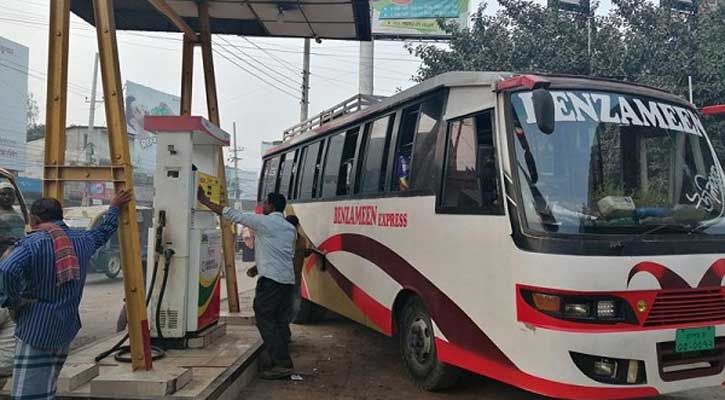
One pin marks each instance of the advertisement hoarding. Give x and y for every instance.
(141, 101)
(13, 104)
(415, 18)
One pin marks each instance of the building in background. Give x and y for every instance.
(244, 194)
(13, 104)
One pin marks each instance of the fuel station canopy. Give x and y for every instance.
(319, 19)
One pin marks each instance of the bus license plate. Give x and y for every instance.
(695, 339)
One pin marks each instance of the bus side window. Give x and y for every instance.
(308, 170)
(374, 155)
(331, 170)
(285, 173)
(414, 163)
(344, 181)
(471, 177)
(404, 150)
(269, 181)
(297, 173)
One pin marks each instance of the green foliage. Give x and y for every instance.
(637, 41)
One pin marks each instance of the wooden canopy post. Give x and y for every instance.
(187, 75)
(57, 95)
(213, 108)
(138, 326)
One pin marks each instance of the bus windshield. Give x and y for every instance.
(616, 164)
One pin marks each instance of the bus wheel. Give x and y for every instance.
(418, 349)
(309, 313)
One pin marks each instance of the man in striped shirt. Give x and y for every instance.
(44, 297)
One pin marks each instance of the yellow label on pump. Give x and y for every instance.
(211, 186)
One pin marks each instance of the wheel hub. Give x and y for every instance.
(420, 340)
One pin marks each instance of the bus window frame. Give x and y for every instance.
(280, 175)
(301, 175)
(360, 162)
(392, 174)
(488, 210)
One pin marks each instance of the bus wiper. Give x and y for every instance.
(636, 238)
(541, 205)
(705, 224)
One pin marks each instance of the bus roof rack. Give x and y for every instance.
(351, 105)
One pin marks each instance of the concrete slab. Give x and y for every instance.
(156, 383)
(73, 376)
(237, 318)
(208, 336)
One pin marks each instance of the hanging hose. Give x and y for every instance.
(168, 253)
(157, 352)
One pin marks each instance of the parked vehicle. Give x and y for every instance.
(9, 231)
(108, 258)
(562, 234)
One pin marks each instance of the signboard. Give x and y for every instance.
(682, 5)
(415, 18)
(142, 101)
(13, 104)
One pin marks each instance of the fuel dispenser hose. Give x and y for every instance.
(157, 352)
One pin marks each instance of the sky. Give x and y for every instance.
(261, 112)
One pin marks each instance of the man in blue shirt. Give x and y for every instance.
(274, 250)
(41, 282)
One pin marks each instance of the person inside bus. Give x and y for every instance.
(274, 250)
(12, 224)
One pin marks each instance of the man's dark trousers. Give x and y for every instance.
(272, 307)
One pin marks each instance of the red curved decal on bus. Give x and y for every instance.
(666, 277)
(457, 327)
(669, 279)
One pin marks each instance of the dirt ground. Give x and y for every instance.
(341, 360)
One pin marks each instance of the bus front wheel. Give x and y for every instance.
(418, 349)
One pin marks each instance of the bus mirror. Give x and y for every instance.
(544, 110)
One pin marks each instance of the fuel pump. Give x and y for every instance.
(186, 295)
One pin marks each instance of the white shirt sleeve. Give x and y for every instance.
(252, 220)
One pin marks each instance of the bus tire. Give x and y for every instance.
(309, 313)
(418, 349)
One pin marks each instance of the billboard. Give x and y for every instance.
(141, 101)
(415, 18)
(13, 104)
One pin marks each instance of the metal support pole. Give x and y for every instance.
(689, 85)
(57, 96)
(138, 327)
(367, 62)
(305, 101)
(187, 75)
(211, 102)
(589, 42)
(91, 127)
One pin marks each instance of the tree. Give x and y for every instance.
(33, 128)
(637, 41)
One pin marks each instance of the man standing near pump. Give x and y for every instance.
(41, 282)
(274, 251)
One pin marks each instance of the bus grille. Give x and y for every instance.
(686, 307)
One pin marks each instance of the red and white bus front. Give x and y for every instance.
(615, 198)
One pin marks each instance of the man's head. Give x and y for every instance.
(46, 209)
(275, 202)
(7, 195)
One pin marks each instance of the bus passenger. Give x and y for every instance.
(274, 250)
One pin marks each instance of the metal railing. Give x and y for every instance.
(351, 105)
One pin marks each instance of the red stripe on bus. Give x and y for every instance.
(451, 354)
(453, 322)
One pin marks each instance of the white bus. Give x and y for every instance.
(561, 234)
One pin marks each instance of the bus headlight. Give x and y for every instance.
(606, 309)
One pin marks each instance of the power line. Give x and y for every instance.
(261, 70)
(255, 75)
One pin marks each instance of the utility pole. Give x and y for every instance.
(367, 74)
(235, 158)
(91, 122)
(305, 101)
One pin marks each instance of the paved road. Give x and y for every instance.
(102, 301)
(342, 360)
